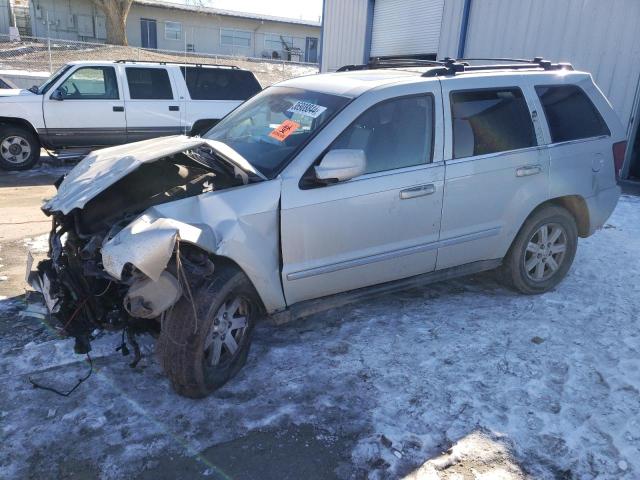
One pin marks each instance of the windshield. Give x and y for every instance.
(269, 128)
(50, 81)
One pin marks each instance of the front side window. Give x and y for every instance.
(149, 84)
(90, 83)
(570, 113)
(235, 38)
(172, 30)
(269, 129)
(393, 134)
(490, 121)
(219, 83)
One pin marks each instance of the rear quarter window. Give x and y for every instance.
(219, 83)
(570, 113)
(149, 84)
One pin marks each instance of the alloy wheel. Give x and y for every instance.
(228, 329)
(545, 252)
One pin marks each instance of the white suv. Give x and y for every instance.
(85, 105)
(326, 189)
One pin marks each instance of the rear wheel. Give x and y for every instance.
(19, 148)
(205, 344)
(543, 251)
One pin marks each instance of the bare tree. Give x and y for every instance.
(116, 12)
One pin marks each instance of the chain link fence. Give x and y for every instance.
(37, 54)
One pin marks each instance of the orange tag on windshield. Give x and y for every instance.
(282, 131)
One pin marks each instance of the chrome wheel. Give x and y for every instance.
(15, 149)
(227, 332)
(545, 252)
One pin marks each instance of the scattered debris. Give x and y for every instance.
(537, 340)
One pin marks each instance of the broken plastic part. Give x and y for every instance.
(148, 299)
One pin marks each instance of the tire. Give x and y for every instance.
(185, 346)
(19, 148)
(533, 269)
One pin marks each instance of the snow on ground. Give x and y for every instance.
(543, 386)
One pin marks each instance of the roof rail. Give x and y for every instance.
(461, 65)
(453, 66)
(394, 62)
(163, 62)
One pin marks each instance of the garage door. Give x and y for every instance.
(406, 27)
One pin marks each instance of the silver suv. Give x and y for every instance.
(326, 189)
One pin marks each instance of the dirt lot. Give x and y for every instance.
(509, 387)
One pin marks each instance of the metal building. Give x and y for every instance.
(600, 37)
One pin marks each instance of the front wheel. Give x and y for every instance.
(543, 251)
(204, 343)
(19, 148)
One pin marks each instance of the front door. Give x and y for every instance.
(380, 226)
(85, 109)
(148, 33)
(496, 172)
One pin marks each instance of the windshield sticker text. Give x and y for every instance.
(282, 131)
(307, 109)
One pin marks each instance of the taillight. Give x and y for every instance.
(619, 149)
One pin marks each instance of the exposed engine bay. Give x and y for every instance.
(81, 294)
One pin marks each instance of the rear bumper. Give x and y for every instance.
(601, 207)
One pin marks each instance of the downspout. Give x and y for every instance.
(368, 32)
(462, 42)
(324, 14)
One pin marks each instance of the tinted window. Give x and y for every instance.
(219, 84)
(90, 83)
(570, 113)
(489, 121)
(149, 84)
(393, 134)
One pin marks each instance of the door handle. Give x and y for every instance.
(118, 109)
(174, 108)
(419, 191)
(528, 170)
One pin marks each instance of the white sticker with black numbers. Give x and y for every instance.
(307, 109)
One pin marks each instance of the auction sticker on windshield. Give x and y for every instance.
(307, 109)
(282, 131)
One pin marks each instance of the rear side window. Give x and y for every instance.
(149, 84)
(490, 121)
(570, 113)
(219, 83)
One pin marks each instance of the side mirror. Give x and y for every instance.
(57, 95)
(340, 165)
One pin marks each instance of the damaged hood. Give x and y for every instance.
(102, 168)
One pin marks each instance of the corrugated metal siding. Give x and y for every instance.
(450, 31)
(408, 27)
(343, 36)
(597, 36)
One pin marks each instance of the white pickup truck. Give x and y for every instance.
(85, 105)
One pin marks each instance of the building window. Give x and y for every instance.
(235, 38)
(280, 44)
(172, 30)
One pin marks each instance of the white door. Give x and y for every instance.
(496, 172)
(406, 27)
(152, 103)
(86, 108)
(378, 227)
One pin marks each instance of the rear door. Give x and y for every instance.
(152, 102)
(86, 108)
(496, 173)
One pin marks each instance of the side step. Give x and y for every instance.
(317, 305)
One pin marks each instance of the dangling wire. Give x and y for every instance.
(65, 394)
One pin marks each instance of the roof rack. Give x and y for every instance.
(218, 65)
(453, 66)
